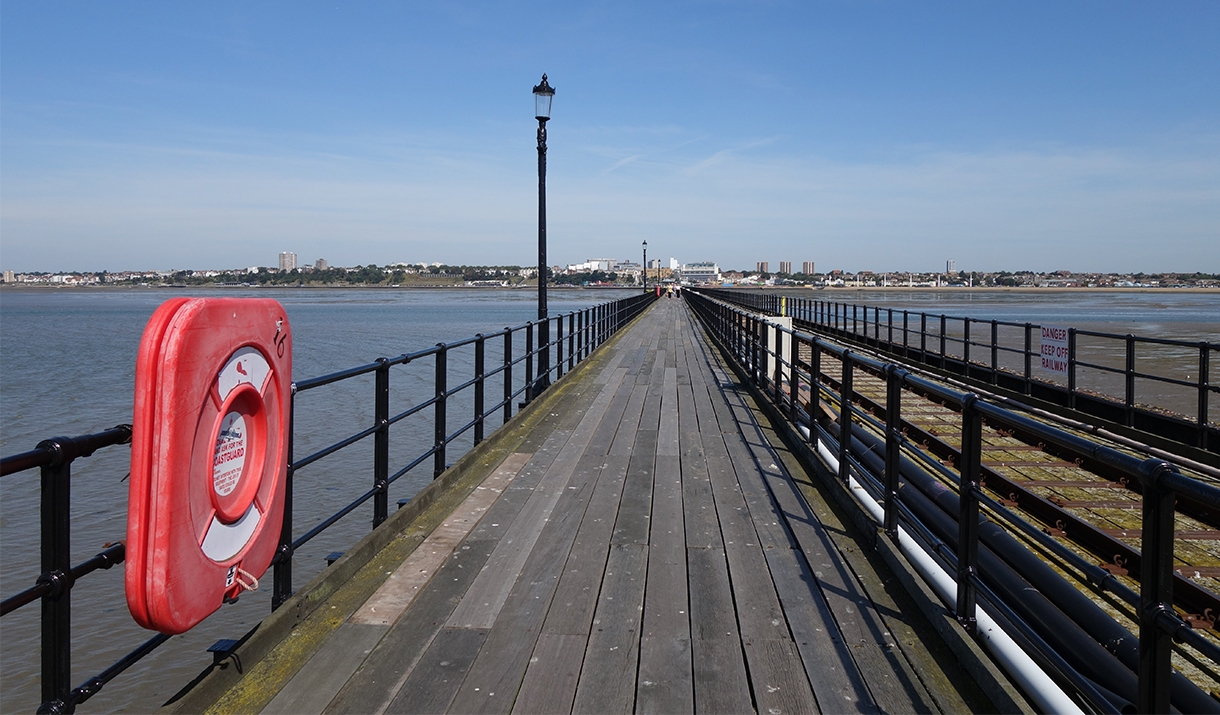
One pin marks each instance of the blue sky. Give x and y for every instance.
(860, 135)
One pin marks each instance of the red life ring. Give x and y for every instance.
(209, 453)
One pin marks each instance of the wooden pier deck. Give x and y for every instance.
(649, 547)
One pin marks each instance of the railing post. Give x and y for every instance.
(923, 338)
(794, 378)
(995, 351)
(381, 442)
(1156, 588)
(966, 346)
(559, 347)
(906, 333)
(281, 588)
(439, 424)
(815, 390)
(1129, 400)
(942, 341)
(1072, 368)
(508, 374)
(968, 513)
(876, 326)
(1029, 357)
(479, 355)
(855, 319)
(56, 567)
(889, 329)
(893, 444)
(571, 341)
(1204, 386)
(529, 363)
(845, 411)
(779, 363)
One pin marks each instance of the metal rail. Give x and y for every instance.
(953, 344)
(587, 329)
(1087, 654)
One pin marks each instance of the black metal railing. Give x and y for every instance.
(1090, 654)
(1004, 354)
(587, 329)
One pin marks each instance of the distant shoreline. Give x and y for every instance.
(845, 290)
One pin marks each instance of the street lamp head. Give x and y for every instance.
(542, 100)
(645, 244)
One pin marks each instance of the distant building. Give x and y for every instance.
(288, 261)
(320, 264)
(763, 267)
(785, 267)
(950, 266)
(807, 268)
(673, 264)
(8, 277)
(701, 272)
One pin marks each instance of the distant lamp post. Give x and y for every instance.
(543, 94)
(645, 265)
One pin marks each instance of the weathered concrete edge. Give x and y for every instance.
(990, 678)
(352, 572)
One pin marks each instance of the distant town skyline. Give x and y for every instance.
(1006, 135)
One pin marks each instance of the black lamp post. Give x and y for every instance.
(645, 265)
(543, 94)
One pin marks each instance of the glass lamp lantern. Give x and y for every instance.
(543, 94)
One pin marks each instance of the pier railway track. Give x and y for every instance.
(1078, 501)
(1082, 519)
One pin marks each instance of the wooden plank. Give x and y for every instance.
(624, 439)
(320, 679)
(665, 682)
(575, 598)
(433, 683)
(779, 679)
(603, 438)
(497, 672)
(378, 680)
(396, 594)
(635, 507)
(699, 508)
(688, 416)
(667, 437)
(554, 670)
(721, 683)
(482, 604)
(608, 677)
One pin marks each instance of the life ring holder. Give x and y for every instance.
(206, 494)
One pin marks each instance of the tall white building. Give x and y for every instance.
(807, 268)
(950, 266)
(288, 261)
(701, 272)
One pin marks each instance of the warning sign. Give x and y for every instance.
(1055, 349)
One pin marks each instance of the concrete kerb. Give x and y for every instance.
(419, 516)
(989, 677)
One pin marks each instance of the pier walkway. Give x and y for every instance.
(647, 546)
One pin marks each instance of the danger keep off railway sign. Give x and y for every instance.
(1055, 349)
